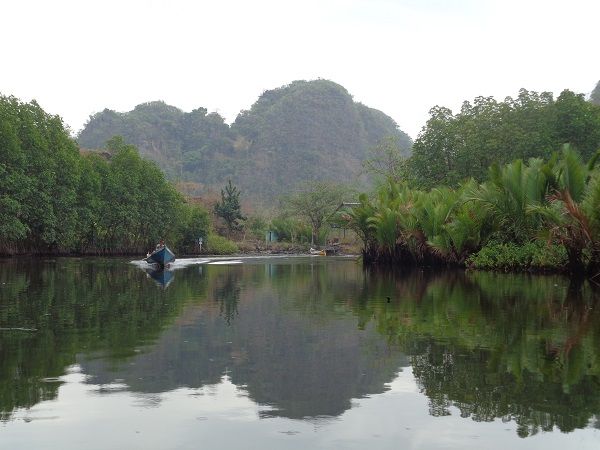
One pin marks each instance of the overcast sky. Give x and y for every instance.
(400, 56)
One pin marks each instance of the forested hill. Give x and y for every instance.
(305, 130)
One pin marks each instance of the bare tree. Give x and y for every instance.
(315, 202)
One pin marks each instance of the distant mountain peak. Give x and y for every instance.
(304, 130)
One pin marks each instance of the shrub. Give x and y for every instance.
(218, 245)
(291, 230)
(531, 256)
(257, 226)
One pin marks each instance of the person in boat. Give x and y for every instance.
(160, 245)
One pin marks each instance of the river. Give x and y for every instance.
(294, 353)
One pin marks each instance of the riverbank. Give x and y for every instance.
(243, 248)
(531, 257)
(528, 216)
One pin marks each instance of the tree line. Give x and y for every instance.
(538, 214)
(452, 147)
(56, 199)
(510, 185)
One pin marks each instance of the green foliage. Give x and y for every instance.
(315, 203)
(453, 147)
(577, 123)
(194, 223)
(454, 227)
(569, 213)
(291, 229)
(555, 202)
(403, 225)
(258, 226)
(591, 204)
(219, 245)
(229, 208)
(55, 200)
(508, 257)
(39, 165)
(181, 143)
(358, 218)
(307, 130)
(510, 197)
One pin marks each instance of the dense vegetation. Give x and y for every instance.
(556, 202)
(307, 130)
(181, 143)
(55, 200)
(482, 187)
(486, 188)
(454, 147)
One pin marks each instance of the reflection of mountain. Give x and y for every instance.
(283, 358)
(308, 336)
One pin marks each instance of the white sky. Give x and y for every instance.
(400, 56)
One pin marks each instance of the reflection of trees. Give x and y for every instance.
(308, 338)
(76, 307)
(498, 346)
(227, 293)
(451, 377)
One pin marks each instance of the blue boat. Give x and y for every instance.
(161, 256)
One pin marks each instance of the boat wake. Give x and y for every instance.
(182, 263)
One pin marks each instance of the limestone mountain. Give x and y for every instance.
(595, 96)
(302, 131)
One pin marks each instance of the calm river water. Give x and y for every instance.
(294, 353)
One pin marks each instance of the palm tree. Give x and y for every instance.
(510, 197)
(571, 216)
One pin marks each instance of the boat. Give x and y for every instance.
(161, 256)
(314, 252)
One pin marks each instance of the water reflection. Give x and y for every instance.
(300, 363)
(519, 348)
(305, 338)
(162, 276)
